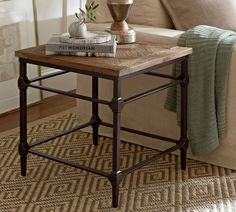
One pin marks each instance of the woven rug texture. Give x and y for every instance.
(53, 187)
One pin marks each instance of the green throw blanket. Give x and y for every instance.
(208, 78)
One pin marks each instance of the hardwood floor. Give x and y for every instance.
(49, 106)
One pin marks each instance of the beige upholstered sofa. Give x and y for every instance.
(149, 114)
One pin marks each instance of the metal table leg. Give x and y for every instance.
(23, 145)
(184, 94)
(116, 176)
(95, 116)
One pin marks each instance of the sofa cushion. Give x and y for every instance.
(149, 12)
(186, 14)
(104, 15)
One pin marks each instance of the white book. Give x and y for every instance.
(55, 45)
(82, 54)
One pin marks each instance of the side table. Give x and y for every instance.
(131, 60)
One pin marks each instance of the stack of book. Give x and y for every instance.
(100, 45)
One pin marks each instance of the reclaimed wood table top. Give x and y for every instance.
(129, 58)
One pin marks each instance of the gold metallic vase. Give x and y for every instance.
(119, 10)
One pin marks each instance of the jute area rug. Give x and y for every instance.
(54, 187)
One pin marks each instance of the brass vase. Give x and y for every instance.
(119, 10)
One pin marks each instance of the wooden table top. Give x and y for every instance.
(129, 58)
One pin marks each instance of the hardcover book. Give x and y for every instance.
(55, 45)
(82, 54)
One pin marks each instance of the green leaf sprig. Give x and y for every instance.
(88, 13)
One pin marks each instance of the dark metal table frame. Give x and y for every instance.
(116, 105)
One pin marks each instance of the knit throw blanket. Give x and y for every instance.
(208, 68)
